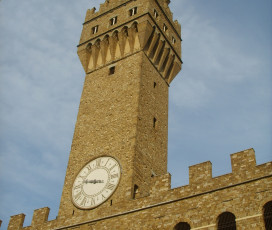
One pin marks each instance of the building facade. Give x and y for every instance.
(117, 172)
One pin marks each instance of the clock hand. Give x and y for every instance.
(93, 181)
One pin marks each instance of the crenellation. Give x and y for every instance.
(200, 173)
(39, 217)
(243, 163)
(16, 222)
(160, 183)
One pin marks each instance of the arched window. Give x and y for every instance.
(226, 221)
(182, 226)
(268, 215)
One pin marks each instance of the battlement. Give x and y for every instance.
(114, 14)
(109, 5)
(40, 216)
(244, 170)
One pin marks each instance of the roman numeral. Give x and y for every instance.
(107, 161)
(98, 162)
(113, 176)
(78, 186)
(83, 177)
(89, 167)
(77, 196)
(103, 197)
(110, 186)
(92, 202)
(113, 167)
(84, 201)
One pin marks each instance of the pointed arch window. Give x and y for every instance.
(226, 221)
(182, 226)
(268, 215)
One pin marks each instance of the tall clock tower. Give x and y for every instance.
(130, 51)
(117, 172)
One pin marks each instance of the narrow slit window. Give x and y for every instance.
(113, 21)
(165, 28)
(154, 122)
(95, 29)
(133, 11)
(135, 191)
(173, 40)
(112, 70)
(111, 203)
(156, 13)
(155, 84)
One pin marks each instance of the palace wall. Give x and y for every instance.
(243, 192)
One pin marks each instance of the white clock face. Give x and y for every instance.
(96, 182)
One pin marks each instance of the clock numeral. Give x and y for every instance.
(103, 197)
(113, 167)
(84, 201)
(77, 196)
(92, 202)
(113, 176)
(89, 167)
(78, 186)
(98, 162)
(110, 186)
(107, 161)
(83, 177)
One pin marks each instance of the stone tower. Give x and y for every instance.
(130, 51)
(117, 176)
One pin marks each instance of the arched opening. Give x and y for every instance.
(97, 43)
(226, 221)
(182, 226)
(89, 47)
(268, 215)
(125, 31)
(106, 38)
(135, 26)
(115, 35)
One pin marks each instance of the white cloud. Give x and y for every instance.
(217, 102)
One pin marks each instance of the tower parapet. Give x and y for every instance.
(128, 27)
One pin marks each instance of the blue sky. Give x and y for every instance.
(221, 102)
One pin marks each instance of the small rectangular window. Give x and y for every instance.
(165, 28)
(133, 11)
(173, 40)
(154, 122)
(112, 70)
(95, 29)
(155, 85)
(156, 13)
(113, 21)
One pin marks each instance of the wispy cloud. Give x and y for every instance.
(219, 103)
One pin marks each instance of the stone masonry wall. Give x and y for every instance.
(199, 203)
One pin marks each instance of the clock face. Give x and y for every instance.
(96, 182)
